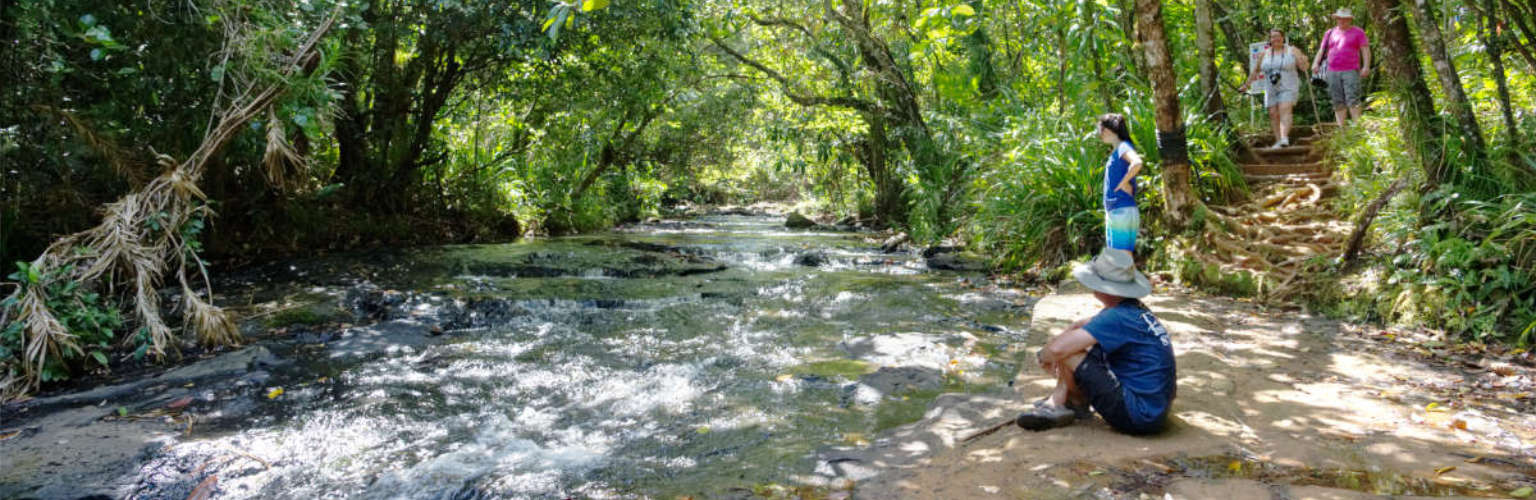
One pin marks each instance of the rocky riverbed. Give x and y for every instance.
(709, 356)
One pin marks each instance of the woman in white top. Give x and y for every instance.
(1280, 64)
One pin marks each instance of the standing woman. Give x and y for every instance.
(1121, 218)
(1280, 64)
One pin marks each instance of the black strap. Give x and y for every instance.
(1323, 58)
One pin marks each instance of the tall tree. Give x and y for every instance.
(1492, 34)
(402, 67)
(1171, 144)
(1420, 127)
(1210, 78)
(877, 87)
(1450, 82)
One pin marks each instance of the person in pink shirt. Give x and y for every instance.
(1347, 53)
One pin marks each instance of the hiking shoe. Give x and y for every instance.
(1082, 412)
(1045, 417)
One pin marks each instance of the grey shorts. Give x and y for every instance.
(1343, 87)
(1276, 95)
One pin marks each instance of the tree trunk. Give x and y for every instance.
(1205, 46)
(1450, 82)
(1128, 25)
(1235, 44)
(1493, 37)
(890, 196)
(1210, 81)
(1171, 146)
(1520, 22)
(1420, 127)
(1363, 223)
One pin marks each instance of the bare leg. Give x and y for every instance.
(1274, 123)
(1066, 386)
(1285, 121)
(1354, 111)
(1340, 114)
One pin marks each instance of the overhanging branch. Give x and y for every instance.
(788, 86)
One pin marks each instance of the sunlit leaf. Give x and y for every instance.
(963, 10)
(591, 5)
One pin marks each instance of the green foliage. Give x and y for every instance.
(1465, 253)
(91, 317)
(1043, 205)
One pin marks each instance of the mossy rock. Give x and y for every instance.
(846, 368)
(307, 315)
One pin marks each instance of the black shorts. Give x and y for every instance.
(1103, 390)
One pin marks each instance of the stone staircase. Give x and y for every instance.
(1287, 224)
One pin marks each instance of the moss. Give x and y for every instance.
(846, 368)
(904, 409)
(307, 309)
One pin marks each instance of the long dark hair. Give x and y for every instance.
(1115, 122)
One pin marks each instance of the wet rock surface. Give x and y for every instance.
(711, 354)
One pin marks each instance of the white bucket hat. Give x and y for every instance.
(1113, 272)
(1344, 13)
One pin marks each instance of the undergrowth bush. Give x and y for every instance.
(1460, 257)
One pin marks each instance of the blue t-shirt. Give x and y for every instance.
(1115, 170)
(1140, 356)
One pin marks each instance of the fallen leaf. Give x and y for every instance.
(1444, 470)
(122, 411)
(190, 385)
(1434, 407)
(1523, 492)
(180, 403)
(274, 393)
(1475, 460)
(1459, 425)
(1235, 466)
(783, 378)
(205, 489)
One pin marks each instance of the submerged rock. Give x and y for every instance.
(796, 220)
(959, 261)
(811, 259)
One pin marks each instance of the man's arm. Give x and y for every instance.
(1065, 345)
(1365, 60)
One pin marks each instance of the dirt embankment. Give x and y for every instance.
(1272, 404)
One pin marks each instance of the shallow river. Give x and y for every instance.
(700, 357)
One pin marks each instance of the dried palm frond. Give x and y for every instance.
(138, 238)
(283, 164)
(46, 337)
(211, 325)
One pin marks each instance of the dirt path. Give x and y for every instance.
(1272, 404)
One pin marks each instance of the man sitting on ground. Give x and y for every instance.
(1119, 361)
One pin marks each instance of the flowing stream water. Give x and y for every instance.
(697, 357)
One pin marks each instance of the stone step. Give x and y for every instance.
(1292, 150)
(1292, 179)
(1283, 168)
(1264, 140)
(1288, 155)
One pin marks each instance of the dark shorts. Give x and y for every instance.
(1103, 390)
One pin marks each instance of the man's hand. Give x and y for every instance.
(1125, 185)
